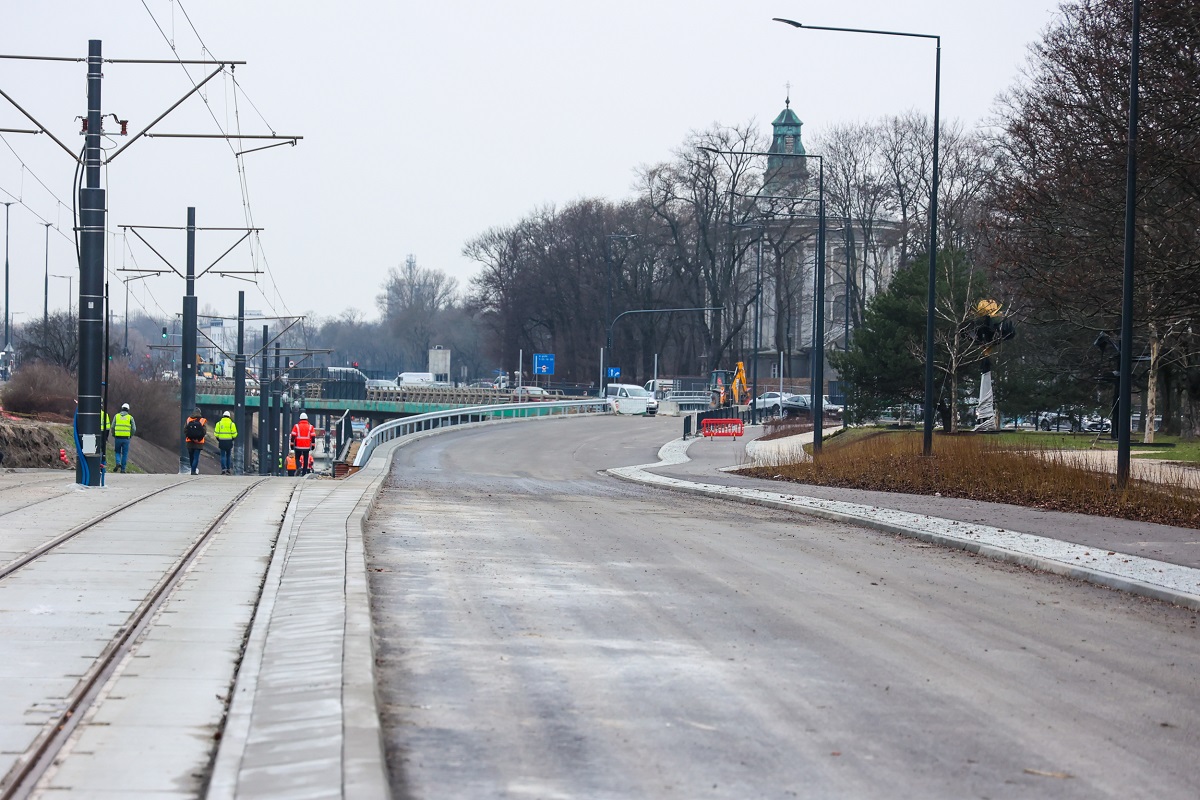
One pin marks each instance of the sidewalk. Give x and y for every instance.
(1157, 561)
(303, 720)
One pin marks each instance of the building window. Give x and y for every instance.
(789, 144)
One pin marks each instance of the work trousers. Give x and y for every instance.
(121, 451)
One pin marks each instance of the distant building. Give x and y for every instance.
(790, 210)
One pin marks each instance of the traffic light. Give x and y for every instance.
(164, 331)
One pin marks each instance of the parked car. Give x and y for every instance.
(626, 398)
(771, 402)
(831, 408)
(1058, 421)
(1135, 421)
(529, 394)
(797, 405)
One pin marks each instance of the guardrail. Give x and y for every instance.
(689, 401)
(407, 426)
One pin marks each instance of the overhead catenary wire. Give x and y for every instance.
(242, 180)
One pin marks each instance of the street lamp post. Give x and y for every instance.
(46, 295)
(1125, 378)
(933, 207)
(7, 210)
(651, 311)
(70, 297)
(757, 323)
(817, 355)
(608, 238)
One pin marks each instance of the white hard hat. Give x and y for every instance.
(226, 414)
(303, 415)
(124, 406)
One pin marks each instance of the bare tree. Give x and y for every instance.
(1058, 196)
(55, 341)
(413, 297)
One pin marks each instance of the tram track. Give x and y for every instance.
(22, 779)
(6, 512)
(26, 484)
(46, 547)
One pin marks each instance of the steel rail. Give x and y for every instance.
(22, 779)
(46, 547)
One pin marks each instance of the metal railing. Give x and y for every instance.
(407, 426)
(689, 401)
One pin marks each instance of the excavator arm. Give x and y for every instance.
(741, 392)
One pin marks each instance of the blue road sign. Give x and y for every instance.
(543, 363)
(614, 372)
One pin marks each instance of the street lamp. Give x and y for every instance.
(608, 305)
(817, 390)
(70, 297)
(762, 228)
(1125, 379)
(7, 210)
(46, 296)
(650, 311)
(933, 201)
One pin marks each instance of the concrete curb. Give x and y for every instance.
(1141, 576)
(363, 751)
(235, 734)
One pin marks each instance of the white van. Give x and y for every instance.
(660, 388)
(625, 398)
(414, 377)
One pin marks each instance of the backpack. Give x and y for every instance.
(194, 430)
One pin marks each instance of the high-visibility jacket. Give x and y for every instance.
(103, 420)
(310, 461)
(302, 435)
(123, 425)
(200, 441)
(225, 429)
(291, 463)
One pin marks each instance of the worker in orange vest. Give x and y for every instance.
(302, 440)
(291, 464)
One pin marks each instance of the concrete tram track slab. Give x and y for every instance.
(152, 730)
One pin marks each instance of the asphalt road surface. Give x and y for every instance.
(546, 631)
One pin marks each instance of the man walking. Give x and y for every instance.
(105, 425)
(302, 440)
(123, 429)
(226, 431)
(193, 434)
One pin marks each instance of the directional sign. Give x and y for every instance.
(543, 363)
(614, 372)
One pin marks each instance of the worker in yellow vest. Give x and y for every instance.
(226, 432)
(123, 429)
(105, 424)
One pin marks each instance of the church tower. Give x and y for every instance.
(785, 171)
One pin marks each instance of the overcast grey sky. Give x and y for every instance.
(425, 123)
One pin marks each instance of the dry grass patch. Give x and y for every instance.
(979, 468)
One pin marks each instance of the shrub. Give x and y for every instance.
(43, 390)
(153, 404)
(979, 468)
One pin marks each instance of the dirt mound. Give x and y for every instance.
(33, 444)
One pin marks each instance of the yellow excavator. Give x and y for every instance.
(728, 387)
